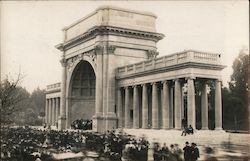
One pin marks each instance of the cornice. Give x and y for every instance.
(53, 91)
(172, 68)
(110, 30)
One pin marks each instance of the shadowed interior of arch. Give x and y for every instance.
(82, 92)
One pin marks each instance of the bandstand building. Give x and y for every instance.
(112, 75)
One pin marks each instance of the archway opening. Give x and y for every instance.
(82, 92)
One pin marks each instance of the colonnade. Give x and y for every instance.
(52, 111)
(160, 105)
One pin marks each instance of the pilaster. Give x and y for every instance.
(98, 118)
(62, 119)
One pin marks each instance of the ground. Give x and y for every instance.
(226, 145)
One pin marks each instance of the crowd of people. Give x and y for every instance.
(175, 153)
(82, 124)
(22, 144)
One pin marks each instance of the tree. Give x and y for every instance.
(10, 96)
(237, 98)
(38, 97)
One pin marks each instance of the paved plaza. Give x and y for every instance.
(227, 146)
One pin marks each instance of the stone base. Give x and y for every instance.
(98, 123)
(62, 123)
(103, 123)
(111, 122)
(155, 128)
(218, 129)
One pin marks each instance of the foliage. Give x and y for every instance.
(38, 98)
(239, 78)
(235, 99)
(10, 96)
(18, 106)
(31, 109)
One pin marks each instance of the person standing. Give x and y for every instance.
(195, 152)
(165, 152)
(187, 152)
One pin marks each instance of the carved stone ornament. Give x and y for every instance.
(98, 49)
(76, 59)
(111, 49)
(63, 62)
(152, 54)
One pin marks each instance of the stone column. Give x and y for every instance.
(165, 105)
(127, 107)
(98, 121)
(62, 119)
(144, 106)
(59, 99)
(155, 106)
(119, 107)
(57, 109)
(50, 111)
(47, 112)
(53, 112)
(182, 103)
(171, 108)
(218, 106)
(204, 107)
(49, 106)
(191, 103)
(177, 104)
(136, 118)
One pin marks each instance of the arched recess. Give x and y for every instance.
(80, 94)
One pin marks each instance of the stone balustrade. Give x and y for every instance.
(171, 60)
(53, 87)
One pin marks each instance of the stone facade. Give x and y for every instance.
(110, 70)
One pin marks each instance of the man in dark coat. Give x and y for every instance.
(195, 152)
(187, 152)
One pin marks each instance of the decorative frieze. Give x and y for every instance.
(152, 54)
(91, 56)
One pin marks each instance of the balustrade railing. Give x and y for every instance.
(170, 60)
(53, 86)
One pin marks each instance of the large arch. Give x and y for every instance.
(81, 91)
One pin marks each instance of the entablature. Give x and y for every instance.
(109, 30)
(178, 65)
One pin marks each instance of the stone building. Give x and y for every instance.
(112, 75)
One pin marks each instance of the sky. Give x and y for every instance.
(31, 29)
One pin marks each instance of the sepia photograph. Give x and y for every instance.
(124, 80)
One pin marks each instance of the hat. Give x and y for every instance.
(187, 142)
(193, 144)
